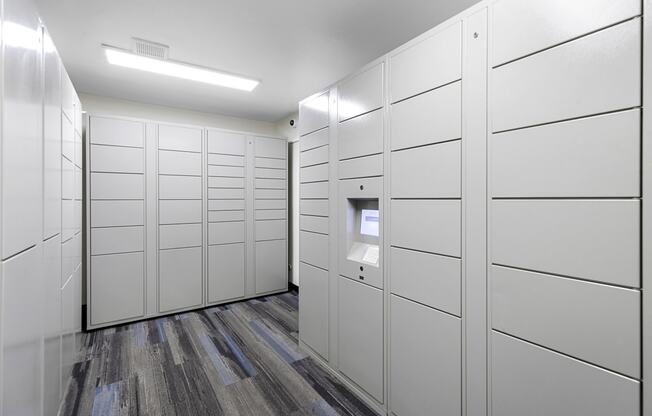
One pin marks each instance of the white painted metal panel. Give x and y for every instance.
(116, 279)
(270, 214)
(314, 224)
(428, 172)
(432, 280)
(361, 93)
(425, 360)
(317, 207)
(227, 171)
(79, 156)
(179, 236)
(529, 380)
(272, 193)
(592, 157)
(310, 157)
(51, 155)
(270, 148)
(270, 204)
(314, 113)
(179, 187)
(271, 266)
(67, 139)
(79, 183)
(434, 226)
(434, 61)
(225, 160)
(262, 162)
(68, 259)
(271, 230)
(226, 272)
(316, 173)
(271, 173)
(595, 74)
(221, 193)
(115, 240)
(225, 216)
(116, 132)
(179, 163)
(551, 22)
(361, 167)
(225, 182)
(433, 117)
(313, 304)
(310, 190)
(117, 159)
(67, 219)
(226, 143)
(360, 335)
(185, 139)
(179, 211)
(180, 278)
(226, 232)
(314, 249)
(590, 239)
(67, 179)
(360, 136)
(312, 141)
(117, 186)
(117, 213)
(52, 327)
(226, 205)
(543, 309)
(270, 183)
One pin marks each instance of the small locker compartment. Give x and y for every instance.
(361, 94)
(313, 140)
(425, 360)
(179, 235)
(180, 278)
(226, 232)
(361, 136)
(226, 272)
(114, 185)
(226, 143)
(270, 148)
(360, 335)
(179, 187)
(117, 279)
(313, 307)
(175, 211)
(184, 139)
(171, 162)
(361, 230)
(271, 266)
(271, 230)
(361, 167)
(113, 240)
(310, 157)
(314, 249)
(313, 113)
(117, 159)
(116, 213)
(116, 132)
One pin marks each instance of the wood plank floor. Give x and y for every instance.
(238, 359)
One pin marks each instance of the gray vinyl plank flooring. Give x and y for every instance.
(236, 359)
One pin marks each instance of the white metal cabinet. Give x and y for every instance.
(117, 132)
(314, 224)
(360, 136)
(226, 272)
(117, 159)
(113, 240)
(171, 162)
(226, 232)
(314, 249)
(180, 279)
(360, 335)
(52, 328)
(117, 186)
(361, 167)
(271, 230)
(271, 266)
(179, 211)
(313, 114)
(227, 143)
(361, 94)
(179, 138)
(179, 235)
(179, 187)
(114, 213)
(425, 360)
(313, 304)
(314, 140)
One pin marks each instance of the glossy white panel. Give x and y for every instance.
(271, 230)
(592, 157)
(179, 211)
(271, 266)
(67, 179)
(117, 186)
(314, 249)
(68, 259)
(67, 138)
(432, 62)
(114, 240)
(226, 232)
(51, 325)
(314, 190)
(433, 117)
(271, 173)
(225, 216)
(313, 113)
(270, 183)
(225, 160)
(314, 224)
(117, 132)
(433, 226)
(272, 193)
(117, 159)
(543, 309)
(22, 135)
(22, 327)
(313, 303)
(51, 148)
(313, 140)
(425, 360)
(79, 183)
(179, 187)
(67, 219)
(314, 207)
(597, 73)
(314, 173)
(179, 236)
(117, 213)
(269, 147)
(228, 171)
(226, 272)
(262, 162)
(432, 280)
(179, 163)
(221, 193)
(361, 94)
(529, 380)
(551, 22)
(270, 214)
(222, 182)
(360, 136)
(179, 138)
(226, 142)
(590, 239)
(428, 172)
(79, 155)
(361, 167)
(180, 278)
(228, 205)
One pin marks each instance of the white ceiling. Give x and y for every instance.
(295, 47)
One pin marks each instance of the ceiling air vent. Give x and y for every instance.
(149, 49)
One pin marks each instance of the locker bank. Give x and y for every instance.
(415, 208)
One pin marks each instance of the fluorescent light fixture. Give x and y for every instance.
(178, 70)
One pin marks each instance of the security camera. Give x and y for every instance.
(291, 123)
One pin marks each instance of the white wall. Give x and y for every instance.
(95, 104)
(285, 130)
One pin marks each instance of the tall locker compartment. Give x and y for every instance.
(360, 295)
(565, 249)
(116, 220)
(270, 225)
(180, 231)
(425, 254)
(227, 214)
(314, 226)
